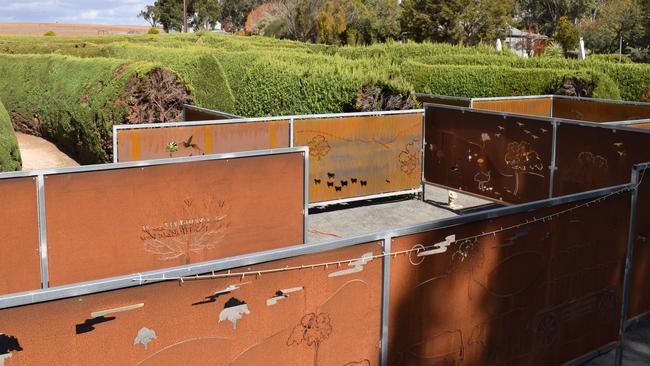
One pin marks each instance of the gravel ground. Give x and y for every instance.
(38, 153)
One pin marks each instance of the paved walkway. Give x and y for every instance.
(38, 153)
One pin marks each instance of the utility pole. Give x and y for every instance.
(185, 16)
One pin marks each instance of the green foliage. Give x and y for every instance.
(49, 33)
(567, 34)
(9, 152)
(76, 100)
(170, 14)
(497, 81)
(153, 30)
(467, 22)
(554, 50)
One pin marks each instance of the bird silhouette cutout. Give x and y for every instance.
(316, 181)
(353, 180)
(338, 188)
(330, 175)
(344, 183)
(364, 183)
(330, 184)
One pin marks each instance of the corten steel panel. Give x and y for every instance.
(320, 320)
(543, 294)
(192, 114)
(598, 111)
(591, 157)
(155, 143)
(534, 107)
(640, 125)
(361, 156)
(443, 99)
(107, 223)
(20, 259)
(639, 294)
(499, 157)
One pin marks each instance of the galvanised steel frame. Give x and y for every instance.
(291, 119)
(51, 293)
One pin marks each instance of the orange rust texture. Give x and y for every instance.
(533, 107)
(598, 111)
(457, 101)
(155, 143)
(186, 334)
(108, 223)
(538, 295)
(19, 261)
(502, 158)
(360, 156)
(640, 125)
(192, 114)
(590, 158)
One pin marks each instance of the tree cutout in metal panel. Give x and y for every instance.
(313, 329)
(233, 311)
(144, 337)
(198, 226)
(524, 161)
(409, 158)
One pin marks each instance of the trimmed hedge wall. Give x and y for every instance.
(9, 153)
(498, 81)
(73, 102)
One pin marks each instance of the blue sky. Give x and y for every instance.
(73, 11)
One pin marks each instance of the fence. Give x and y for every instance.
(495, 286)
(194, 113)
(82, 224)
(556, 106)
(354, 156)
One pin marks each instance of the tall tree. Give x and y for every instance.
(234, 13)
(455, 21)
(206, 14)
(171, 14)
(150, 14)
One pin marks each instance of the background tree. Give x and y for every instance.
(567, 34)
(456, 21)
(150, 14)
(206, 14)
(331, 22)
(171, 14)
(234, 13)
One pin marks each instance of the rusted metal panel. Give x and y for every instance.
(193, 113)
(19, 261)
(530, 106)
(444, 99)
(598, 110)
(541, 294)
(108, 223)
(316, 319)
(361, 156)
(154, 143)
(504, 158)
(639, 294)
(590, 157)
(640, 125)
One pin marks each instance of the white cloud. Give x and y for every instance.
(118, 12)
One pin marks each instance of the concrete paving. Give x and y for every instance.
(358, 219)
(636, 347)
(38, 153)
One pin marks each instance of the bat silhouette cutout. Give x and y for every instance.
(344, 183)
(364, 183)
(330, 184)
(387, 180)
(316, 181)
(338, 188)
(89, 324)
(9, 343)
(353, 180)
(189, 143)
(330, 175)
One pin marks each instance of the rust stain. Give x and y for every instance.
(135, 145)
(533, 107)
(207, 136)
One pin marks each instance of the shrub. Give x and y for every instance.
(9, 153)
(153, 30)
(74, 102)
(49, 33)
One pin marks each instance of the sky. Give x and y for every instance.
(118, 12)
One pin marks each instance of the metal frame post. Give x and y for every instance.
(42, 232)
(291, 122)
(627, 276)
(306, 203)
(553, 167)
(422, 155)
(385, 299)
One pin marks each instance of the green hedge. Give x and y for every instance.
(498, 81)
(9, 153)
(76, 101)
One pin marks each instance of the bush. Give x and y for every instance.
(9, 153)
(153, 30)
(74, 102)
(49, 33)
(499, 81)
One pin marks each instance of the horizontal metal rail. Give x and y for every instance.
(369, 197)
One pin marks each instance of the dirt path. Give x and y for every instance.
(38, 153)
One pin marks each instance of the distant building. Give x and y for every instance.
(526, 44)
